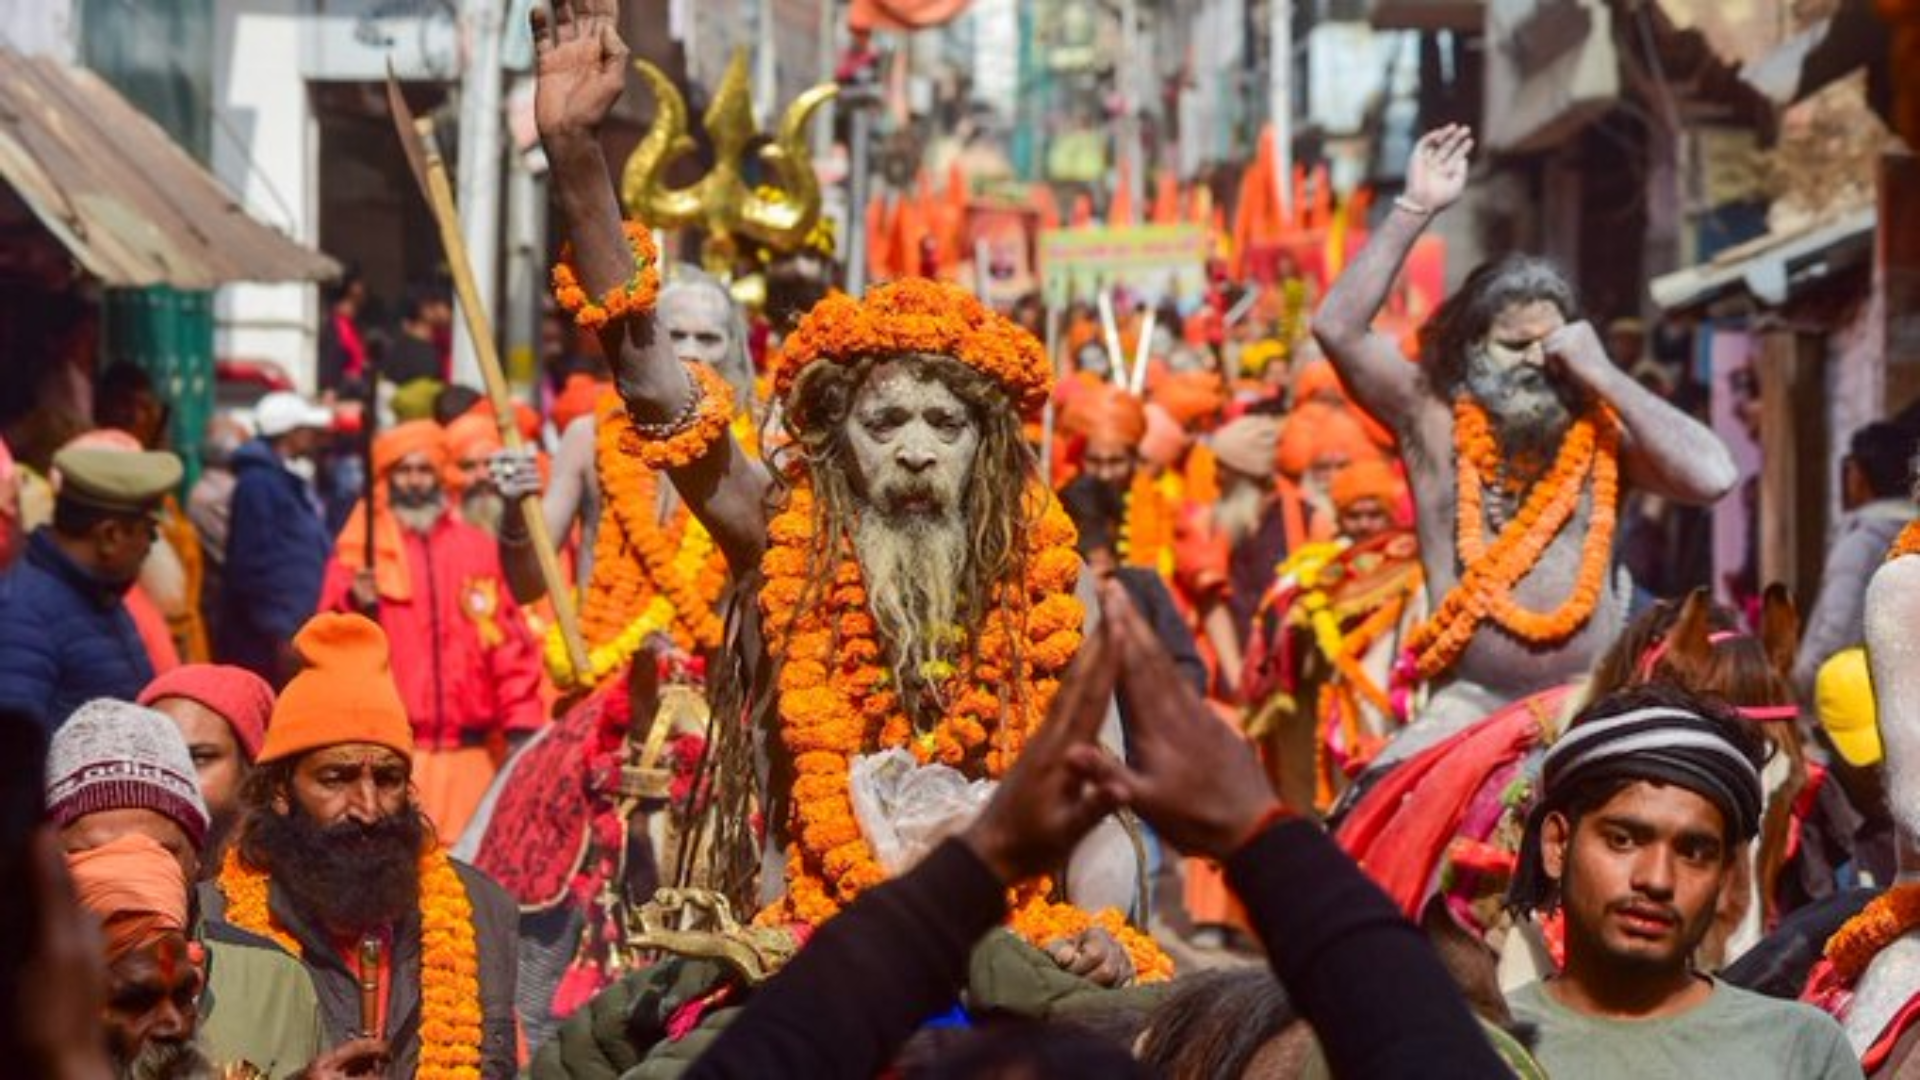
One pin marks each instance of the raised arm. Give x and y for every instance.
(1370, 363)
(581, 70)
(1665, 451)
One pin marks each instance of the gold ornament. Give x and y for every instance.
(721, 202)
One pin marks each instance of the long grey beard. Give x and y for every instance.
(1529, 412)
(1237, 514)
(483, 507)
(168, 1061)
(912, 570)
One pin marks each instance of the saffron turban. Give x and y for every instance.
(476, 434)
(578, 397)
(404, 440)
(1190, 396)
(1372, 479)
(136, 888)
(1106, 414)
(1685, 746)
(1248, 445)
(1318, 430)
(1318, 381)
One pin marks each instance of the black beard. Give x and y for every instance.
(166, 1059)
(353, 878)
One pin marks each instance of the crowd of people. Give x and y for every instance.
(1264, 688)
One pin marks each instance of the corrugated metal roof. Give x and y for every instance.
(132, 208)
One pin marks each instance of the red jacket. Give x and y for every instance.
(462, 654)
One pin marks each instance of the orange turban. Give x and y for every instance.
(1367, 480)
(135, 886)
(1316, 431)
(1317, 380)
(577, 399)
(475, 434)
(344, 693)
(396, 444)
(1191, 396)
(1107, 414)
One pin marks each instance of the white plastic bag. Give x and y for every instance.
(905, 809)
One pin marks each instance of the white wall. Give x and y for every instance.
(38, 28)
(264, 149)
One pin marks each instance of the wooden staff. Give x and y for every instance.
(370, 987)
(423, 155)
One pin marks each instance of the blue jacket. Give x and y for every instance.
(65, 637)
(277, 550)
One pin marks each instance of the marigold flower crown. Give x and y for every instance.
(918, 315)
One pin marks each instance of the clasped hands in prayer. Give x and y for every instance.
(1191, 777)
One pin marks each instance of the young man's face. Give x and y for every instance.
(1640, 876)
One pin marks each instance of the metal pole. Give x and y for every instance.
(861, 98)
(479, 179)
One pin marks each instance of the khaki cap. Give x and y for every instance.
(116, 480)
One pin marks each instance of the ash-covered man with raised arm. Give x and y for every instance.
(1521, 436)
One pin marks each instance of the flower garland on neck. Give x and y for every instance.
(450, 1017)
(648, 577)
(1907, 543)
(838, 701)
(1889, 917)
(1589, 455)
(1146, 531)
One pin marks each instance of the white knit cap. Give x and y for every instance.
(115, 755)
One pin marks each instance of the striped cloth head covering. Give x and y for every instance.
(1667, 738)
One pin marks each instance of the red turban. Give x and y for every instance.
(1316, 431)
(243, 699)
(136, 888)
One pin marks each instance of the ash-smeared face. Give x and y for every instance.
(698, 321)
(913, 442)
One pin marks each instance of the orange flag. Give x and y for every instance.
(1120, 210)
(1166, 199)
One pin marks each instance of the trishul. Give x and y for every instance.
(721, 201)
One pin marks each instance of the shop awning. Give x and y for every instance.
(1770, 268)
(131, 207)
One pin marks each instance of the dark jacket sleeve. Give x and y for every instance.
(1361, 974)
(29, 657)
(266, 571)
(868, 978)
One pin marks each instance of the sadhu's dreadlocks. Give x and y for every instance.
(997, 508)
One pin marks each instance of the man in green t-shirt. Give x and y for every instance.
(1644, 802)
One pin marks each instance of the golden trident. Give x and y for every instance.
(721, 201)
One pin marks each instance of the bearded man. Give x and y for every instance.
(1327, 636)
(1520, 436)
(467, 668)
(335, 861)
(915, 578)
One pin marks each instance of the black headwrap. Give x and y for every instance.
(1662, 743)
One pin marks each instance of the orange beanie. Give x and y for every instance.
(344, 694)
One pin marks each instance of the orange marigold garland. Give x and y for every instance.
(450, 1017)
(918, 316)
(709, 417)
(639, 561)
(1485, 591)
(1146, 532)
(837, 701)
(1889, 917)
(1907, 543)
(639, 293)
